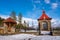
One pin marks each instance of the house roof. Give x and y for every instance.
(9, 20)
(44, 16)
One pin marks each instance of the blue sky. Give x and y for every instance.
(32, 9)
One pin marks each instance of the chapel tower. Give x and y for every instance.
(44, 23)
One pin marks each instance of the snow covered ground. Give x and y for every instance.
(27, 36)
(46, 38)
(17, 37)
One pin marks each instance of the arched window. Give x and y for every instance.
(45, 25)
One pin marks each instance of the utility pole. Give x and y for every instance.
(39, 28)
(32, 24)
(25, 25)
(28, 24)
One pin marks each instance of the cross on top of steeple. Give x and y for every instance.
(44, 16)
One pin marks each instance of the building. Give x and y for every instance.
(44, 24)
(8, 26)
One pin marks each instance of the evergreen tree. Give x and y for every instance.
(13, 15)
(20, 18)
(1, 21)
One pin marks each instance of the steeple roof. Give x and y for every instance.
(44, 16)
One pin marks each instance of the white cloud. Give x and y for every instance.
(55, 22)
(47, 1)
(54, 5)
(37, 1)
(23, 19)
(30, 21)
(4, 16)
(34, 7)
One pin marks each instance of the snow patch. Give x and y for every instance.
(27, 36)
(45, 32)
(23, 36)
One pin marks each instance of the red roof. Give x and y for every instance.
(9, 20)
(44, 16)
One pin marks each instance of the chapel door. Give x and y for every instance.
(45, 25)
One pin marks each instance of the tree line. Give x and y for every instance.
(19, 19)
(16, 18)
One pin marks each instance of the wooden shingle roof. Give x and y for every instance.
(9, 20)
